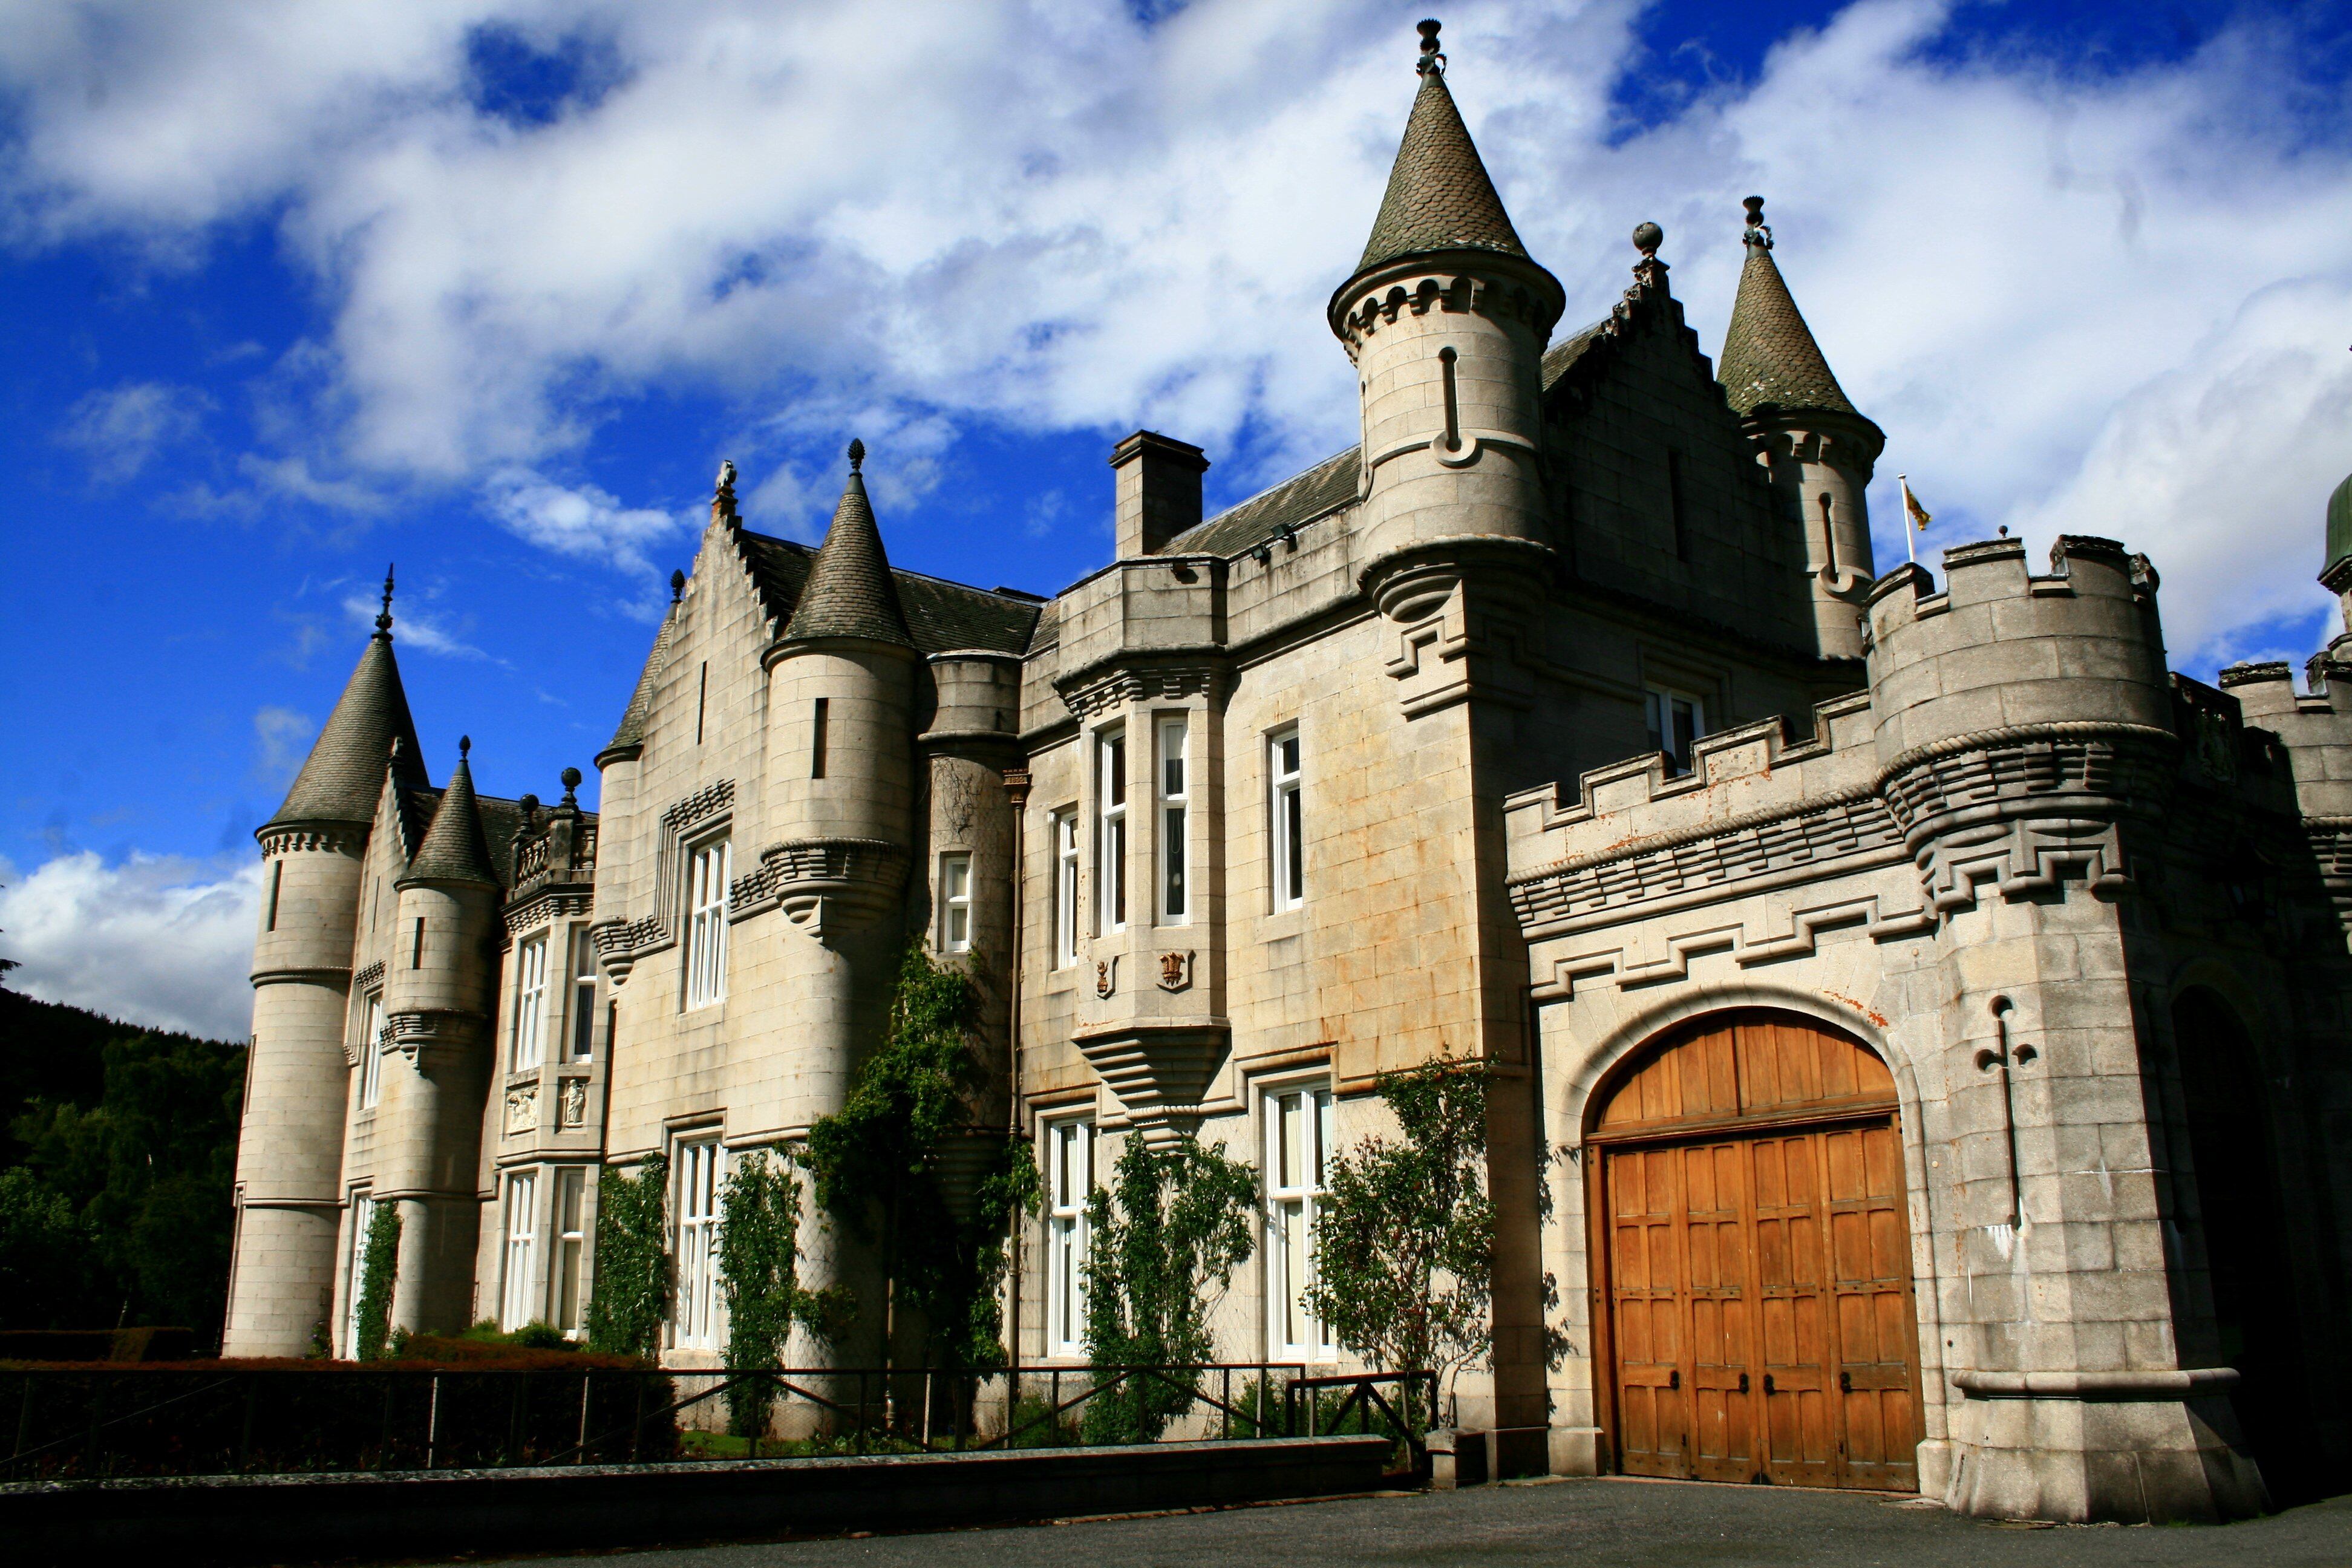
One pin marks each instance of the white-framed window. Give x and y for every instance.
(570, 1217)
(1677, 718)
(584, 995)
(955, 903)
(362, 1217)
(1065, 830)
(1285, 821)
(695, 1322)
(523, 1250)
(1111, 832)
(372, 1051)
(1298, 1136)
(708, 865)
(1175, 795)
(523, 1051)
(1070, 1176)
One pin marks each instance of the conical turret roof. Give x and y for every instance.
(343, 776)
(1768, 353)
(1440, 197)
(454, 848)
(849, 592)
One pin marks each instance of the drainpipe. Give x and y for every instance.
(1016, 792)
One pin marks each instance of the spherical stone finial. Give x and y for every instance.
(1647, 237)
(1431, 60)
(857, 454)
(530, 805)
(571, 777)
(465, 745)
(677, 586)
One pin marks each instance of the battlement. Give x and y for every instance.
(1999, 647)
(2314, 726)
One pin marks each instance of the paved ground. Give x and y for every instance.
(1607, 1523)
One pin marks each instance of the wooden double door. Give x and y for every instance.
(1757, 1261)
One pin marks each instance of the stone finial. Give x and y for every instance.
(857, 455)
(571, 777)
(529, 807)
(1758, 231)
(465, 745)
(1431, 60)
(677, 586)
(726, 479)
(383, 616)
(1647, 237)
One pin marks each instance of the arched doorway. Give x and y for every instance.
(2240, 1215)
(1755, 1258)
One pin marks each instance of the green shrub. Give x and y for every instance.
(630, 1295)
(379, 1265)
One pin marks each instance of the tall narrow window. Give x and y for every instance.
(955, 903)
(523, 1250)
(584, 995)
(816, 737)
(570, 1246)
(1298, 1141)
(416, 945)
(701, 700)
(1286, 823)
(1675, 505)
(1111, 832)
(525, 1050)
(1829, 536)
(277, 879)
(705, 923)
(697, 1306)
(1677, 720)
(363, 1217)
(372, 1051)
(1066, 888)
(1175, 780)
(1069, 1162)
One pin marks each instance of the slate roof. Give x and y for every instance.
(342, 778)
(1769, 354)
(938, 614)
(631, 732)
(1440, 197)
(849, 592)
(502, 820)
(455, 848)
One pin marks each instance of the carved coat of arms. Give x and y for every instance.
(1175, 971)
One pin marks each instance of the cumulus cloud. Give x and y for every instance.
(414, 627)
(154, 939)
(2044, 282)
(281, 741)
(122, 428)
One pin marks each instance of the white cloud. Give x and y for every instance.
(582, 521)
(122, 428)
(154, 940)
(2053, 288)
(281, 741)
(414, 628)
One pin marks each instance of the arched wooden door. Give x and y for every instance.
(1755, 1259)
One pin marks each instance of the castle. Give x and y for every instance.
(1924, 1012)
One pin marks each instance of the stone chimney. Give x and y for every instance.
(1159, 492)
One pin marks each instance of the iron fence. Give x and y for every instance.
(76, 1423)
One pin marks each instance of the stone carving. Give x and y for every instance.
(522, 1108)
(1106, 976)
(1175, 971)
(571, 1107)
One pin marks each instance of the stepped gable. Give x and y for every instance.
(1769, 357)
(1440, 197)
(939, 615)
(850, 591)
(455, 848)
(342, 778)
(631, 736)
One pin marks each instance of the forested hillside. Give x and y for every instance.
(115, 1171)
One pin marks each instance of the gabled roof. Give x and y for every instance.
(342, 778)
(849, 592)
(1769, 354)
(938, 614)
(455, 849)
(1440, 197)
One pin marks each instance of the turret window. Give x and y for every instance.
(372, 1051)
(1065, 833)
(706, 935)
(1286, 821)
(525, 1049)
(1175, 795)
(1111, 832)
(955, 903)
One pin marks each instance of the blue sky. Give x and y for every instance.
(488, 287)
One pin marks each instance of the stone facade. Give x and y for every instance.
(1272, 804)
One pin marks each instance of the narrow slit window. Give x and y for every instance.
(1287, 822)
(955, 903)
(816, 738)
(1111, 832)
(1675, 505)
(416, 945)
(1174, 797)
(701, 700)
(277, 879)
(1829, 536)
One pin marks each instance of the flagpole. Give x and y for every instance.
(1910, 545)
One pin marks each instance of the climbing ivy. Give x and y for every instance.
(631, 1295)
(1161, 1257)
(379, 1262)
(759, 1257)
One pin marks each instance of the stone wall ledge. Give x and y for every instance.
(2102, 1387)
(394, 1515)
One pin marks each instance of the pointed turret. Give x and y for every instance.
(849, 592)
(343, 776)
(1440, 197)
(1820, 450)
(454, 848)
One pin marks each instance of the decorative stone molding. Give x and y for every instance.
(620, 943)
(1099, 690)
(827, 884)
(368, 979)
(555, 903)
(522, 1108)
(2100, 1387)
(1636, 962)
(1459, 609)
(705, 803)
(326, 838)
(1452, 293)
(322, 975)
(1161, 1071)
(418, 1036)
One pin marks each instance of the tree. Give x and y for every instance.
(44, 1254)
(1404, 1234)
(1159, 1261)
(631, 1294)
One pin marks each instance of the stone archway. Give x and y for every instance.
(1753, 1245)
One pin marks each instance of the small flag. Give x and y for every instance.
(1911, 508)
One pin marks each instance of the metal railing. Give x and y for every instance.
(128, 1421)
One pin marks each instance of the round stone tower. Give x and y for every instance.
(290, 1143)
